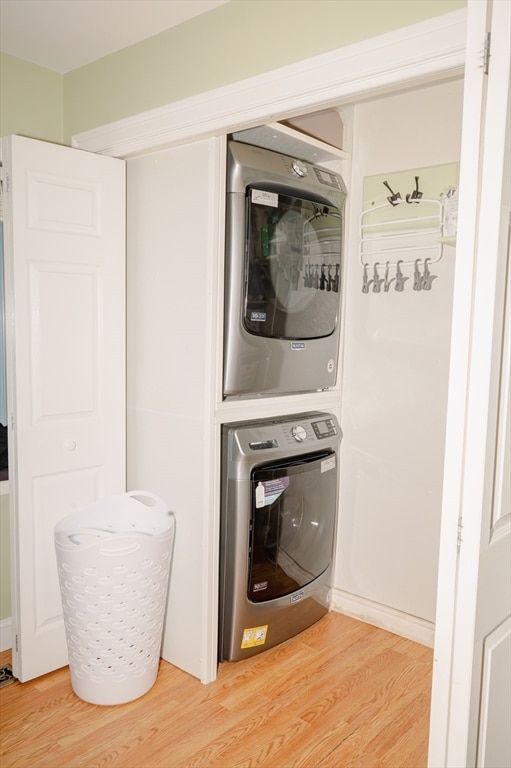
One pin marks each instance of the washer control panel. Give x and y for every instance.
(302, 430)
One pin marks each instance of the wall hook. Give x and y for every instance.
(427, 278)
(365, 280)
(377, 280)
(386, 281)
(416, 195)
(417, 277)
(400, 278)
(394, 196)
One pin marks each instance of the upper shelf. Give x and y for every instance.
(288, 141)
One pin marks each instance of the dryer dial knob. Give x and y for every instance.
(299, 168)
(299, 434)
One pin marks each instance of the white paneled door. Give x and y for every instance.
(65, 304)
(471, 707)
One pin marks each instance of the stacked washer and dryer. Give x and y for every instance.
(284, 234)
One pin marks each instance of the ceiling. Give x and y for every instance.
(63, 35)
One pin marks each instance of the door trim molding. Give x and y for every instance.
(430, 51)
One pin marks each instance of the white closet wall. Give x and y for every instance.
(395, 369)
(391, 397)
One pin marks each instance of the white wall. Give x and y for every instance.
(396, 348)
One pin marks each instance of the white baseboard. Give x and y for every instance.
(403, 624)
(5, 634)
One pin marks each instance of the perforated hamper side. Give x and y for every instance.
(114, 590)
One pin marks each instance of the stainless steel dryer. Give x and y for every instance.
(278, 522)
(284, 241)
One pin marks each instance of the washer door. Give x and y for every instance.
(292, 524)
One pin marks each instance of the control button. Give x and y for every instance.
(299, 433)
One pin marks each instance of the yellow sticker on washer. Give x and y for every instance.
(254, 636)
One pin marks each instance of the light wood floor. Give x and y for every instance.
(341, 694)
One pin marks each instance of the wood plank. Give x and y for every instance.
(342, 693)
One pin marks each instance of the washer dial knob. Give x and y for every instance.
(299, 433)
(299, 168)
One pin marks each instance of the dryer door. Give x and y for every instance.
(292, 273)
(293, 512)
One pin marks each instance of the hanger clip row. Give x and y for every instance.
(422, 281)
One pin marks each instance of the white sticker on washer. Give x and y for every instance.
(259, 494)
(262, 197)
(327, 464)
(269, 491)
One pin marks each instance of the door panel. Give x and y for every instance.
(65, 299)
(471, 706)
(63, 379)
(494, 715)
(490, 709)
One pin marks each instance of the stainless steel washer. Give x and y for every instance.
(278, 522)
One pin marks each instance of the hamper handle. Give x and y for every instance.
(116, 544)
(94, 535)
(157, 504)
(89, 533)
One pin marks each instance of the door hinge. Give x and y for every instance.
(486, 53)
(16, 644)
(460, 534)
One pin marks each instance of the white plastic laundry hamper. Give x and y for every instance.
(114, 563)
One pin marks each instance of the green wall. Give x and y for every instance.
(31, 100)
(237, 40)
